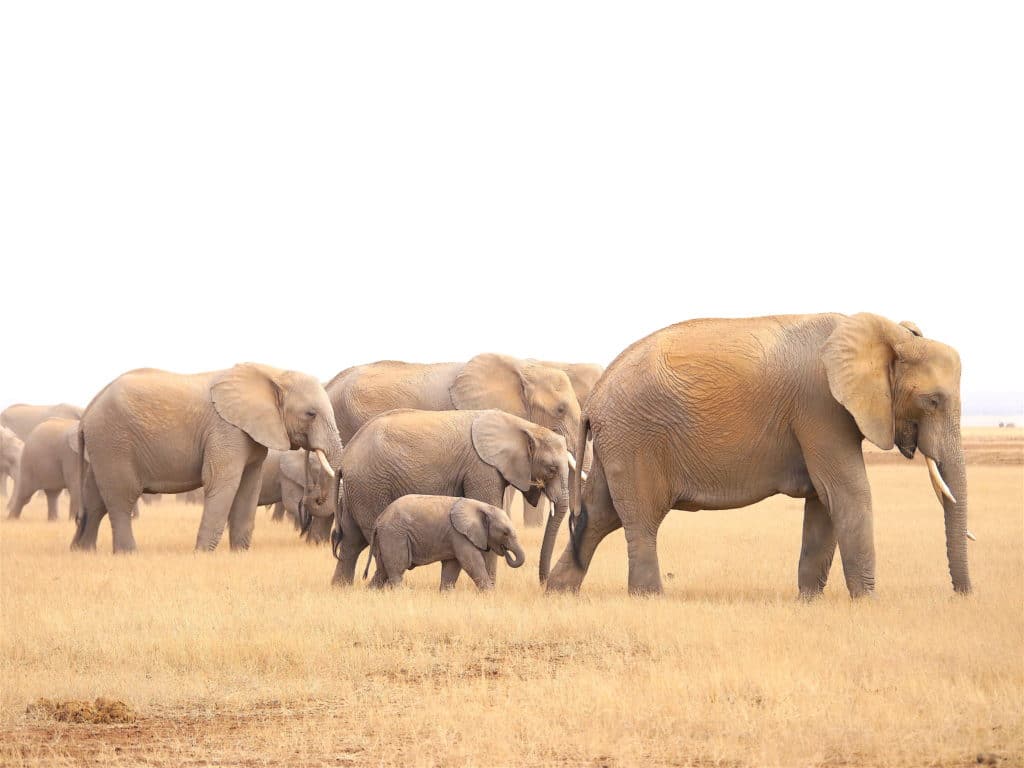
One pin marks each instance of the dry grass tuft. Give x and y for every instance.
(103, 710)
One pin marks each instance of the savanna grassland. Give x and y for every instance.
(254, 659)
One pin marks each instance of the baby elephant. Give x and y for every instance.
(417, 530)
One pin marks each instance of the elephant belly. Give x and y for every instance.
(745, 484)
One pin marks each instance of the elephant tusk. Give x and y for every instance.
(971, 536)
(572, 461)
(941, 489)
(324, 462)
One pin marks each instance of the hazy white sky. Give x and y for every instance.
(189, 185)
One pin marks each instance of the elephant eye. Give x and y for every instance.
(562, 408)
(930, 402)
(311, 414)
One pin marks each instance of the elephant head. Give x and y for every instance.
(487, 528)
(530, 457)
(904, 390)
(283, 410)
(524, 388)
(10, 452)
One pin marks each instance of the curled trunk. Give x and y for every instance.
(514, 555)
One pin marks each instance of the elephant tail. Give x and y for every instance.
(369, 558)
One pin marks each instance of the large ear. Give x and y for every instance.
(249, 397)
(859, 357)
(504, 442)
(490, 381)
(72, 438)
(468, 519)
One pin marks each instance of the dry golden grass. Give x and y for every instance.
(254, 659)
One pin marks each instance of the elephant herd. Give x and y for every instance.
(418, 461)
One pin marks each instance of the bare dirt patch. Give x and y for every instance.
(101, 711)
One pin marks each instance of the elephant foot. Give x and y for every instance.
(809, 595)
(562, 581)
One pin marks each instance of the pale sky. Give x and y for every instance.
(188, 185)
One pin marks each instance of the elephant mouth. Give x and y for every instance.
(906, 438)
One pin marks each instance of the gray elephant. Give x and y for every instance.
(475, 454)
(286, 477)
(718, 414)
(160, 432)
(11, 447)
(524, 388)
(583, 377)
(456, 532)
(22, 418)
(49, 463)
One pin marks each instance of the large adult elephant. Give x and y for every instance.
(160, 432)
(718, 414)
(285, 478)
(11, 447)
(525, 388)
(49, 463)
(474, 454)
(583, 377)
(22, 418)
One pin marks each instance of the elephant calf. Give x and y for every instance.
(418, 530)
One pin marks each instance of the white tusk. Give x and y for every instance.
(971, 536)
(941, 489)
(572, 461)
(583, 475)
(324, 462)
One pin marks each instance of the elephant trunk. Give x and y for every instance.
(953, 473)
(514, 555)
(551, 528)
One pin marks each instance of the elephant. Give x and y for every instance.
(721, 413)
(160, 432)
(475, 454)
(49, 463)
(11, 447)
(524, 388)
(583, 377)
(286, 476)
(418, 530)
(22, 419)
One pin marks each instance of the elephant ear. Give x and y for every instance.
(504, 442)
(250, 397)
(490, 381)
(859, 358)
(293, 466)
(471, 521)
(912, 327)
(72, 437)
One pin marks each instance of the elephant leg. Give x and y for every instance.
(18, 502)
(242, 517)
(533, 516)
(135, 511)
(598, 518)
(841, 481)
(220, 490)
(474, 564)
(491, 564)
(278, 513)
(93, 510)
(352, 544)
(52, 513)
(450, 570)
(3, 485)
(817, 549)
(120, 510)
